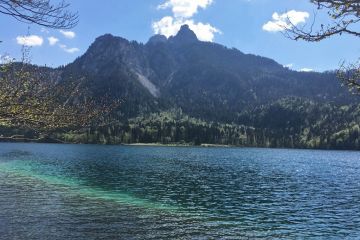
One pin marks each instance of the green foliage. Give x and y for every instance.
(289, 123)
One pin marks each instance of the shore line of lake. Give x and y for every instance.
(204, 145)
(177, 145)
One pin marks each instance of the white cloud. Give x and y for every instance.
(290, 65)
(306, 70)
(68, 50)
(204, 31)
(31, 41)
(285, 21)
(53, 40)
(168, 26)
(68, 34)
(185, 8)
(183, 11)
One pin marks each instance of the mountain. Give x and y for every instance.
(204, 79)
(180, 89)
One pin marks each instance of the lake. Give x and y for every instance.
(132, 192)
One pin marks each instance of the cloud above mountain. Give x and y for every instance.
(183, 11)
(169, 26)
(287, 20)
(185, 8)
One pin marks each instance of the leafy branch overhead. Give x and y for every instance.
(40, 12)
(343, 15)
(350, 76)
(33, 98)
(344, 18)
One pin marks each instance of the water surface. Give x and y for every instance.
(116, 192)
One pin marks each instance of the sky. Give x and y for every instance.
(252, 26)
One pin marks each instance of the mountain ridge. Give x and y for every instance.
(181, 70)
(182, 89)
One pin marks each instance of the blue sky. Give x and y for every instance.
(243, 24)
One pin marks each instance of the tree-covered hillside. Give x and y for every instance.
(181, 90)
(289, 122)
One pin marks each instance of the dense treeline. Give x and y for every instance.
(166, 128)
(308, 124)
(289, 123)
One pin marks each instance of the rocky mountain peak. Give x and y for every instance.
(185, 35)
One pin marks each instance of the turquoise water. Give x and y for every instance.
(116, 192)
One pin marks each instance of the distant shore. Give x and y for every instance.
(49, 140)
(21, 139)
(177, 145)
(203, 145)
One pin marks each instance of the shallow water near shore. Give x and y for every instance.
(142, 192)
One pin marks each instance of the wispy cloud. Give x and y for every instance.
(68, 34)
(68, 50)
(183, 11)
(288, 20)
(31, 40)
(306, 70)
(53, 40)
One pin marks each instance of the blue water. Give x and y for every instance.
(123, 192)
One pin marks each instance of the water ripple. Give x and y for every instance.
(102, 192)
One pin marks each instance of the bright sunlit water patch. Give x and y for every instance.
(116, 192)
(27, 169)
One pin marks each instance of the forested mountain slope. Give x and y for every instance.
(183, 90)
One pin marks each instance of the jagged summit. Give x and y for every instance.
(185, 35)
(158, 38)
(106, 42)
(109, 37)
